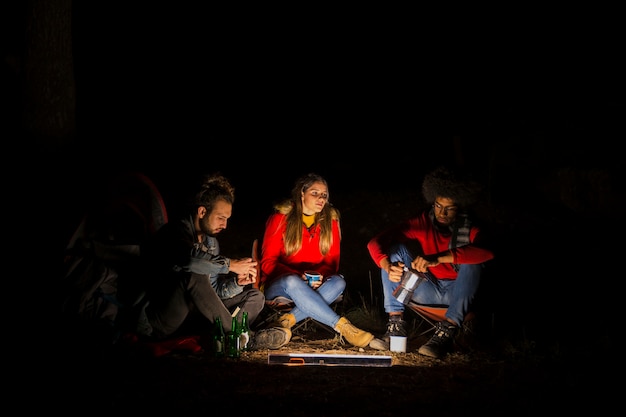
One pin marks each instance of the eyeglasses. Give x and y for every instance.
(317, 194)
(445, 210)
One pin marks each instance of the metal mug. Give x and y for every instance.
(397, 343)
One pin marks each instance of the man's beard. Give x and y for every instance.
(206, 229)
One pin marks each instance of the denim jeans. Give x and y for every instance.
(458, 294)
(309, 302)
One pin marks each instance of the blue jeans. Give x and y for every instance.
(309, 302)
(458, 294)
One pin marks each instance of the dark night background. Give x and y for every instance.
(534, 110)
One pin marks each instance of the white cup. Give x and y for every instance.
(397, 343)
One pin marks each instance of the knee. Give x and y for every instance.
(255, 299)
(399, 252)
(338, 282)
(257, 295)
(291, 280)
(471, 269)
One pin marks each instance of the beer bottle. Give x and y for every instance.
(219, 339)
(244, 332)
(232, 340)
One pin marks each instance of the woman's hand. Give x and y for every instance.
(316, 284)
(313, 284)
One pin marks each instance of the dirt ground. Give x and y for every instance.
(479, 378)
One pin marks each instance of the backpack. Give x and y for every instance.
(101, 270)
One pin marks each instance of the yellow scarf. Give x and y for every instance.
(308, 220)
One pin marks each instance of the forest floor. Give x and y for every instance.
(481, 377)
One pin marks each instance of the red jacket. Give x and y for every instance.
(274, 261)
(432, 241)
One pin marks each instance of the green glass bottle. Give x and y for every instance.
(244, 332)
(219, 339)
(232, 340)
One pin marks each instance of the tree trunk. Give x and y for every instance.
(49, 91)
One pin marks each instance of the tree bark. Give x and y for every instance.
(48, 84)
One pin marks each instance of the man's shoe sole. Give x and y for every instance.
(427, 351)
(272, 338)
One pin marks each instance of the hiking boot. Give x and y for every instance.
(352, 334)
(395, 327)
(441, 342)
(272, 338)
(287, 321)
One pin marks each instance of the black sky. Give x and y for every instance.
(175, 91)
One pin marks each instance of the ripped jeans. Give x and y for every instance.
(309, 302)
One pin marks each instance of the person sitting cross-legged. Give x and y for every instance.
(303, 234)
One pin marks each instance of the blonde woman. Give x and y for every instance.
(304, 233)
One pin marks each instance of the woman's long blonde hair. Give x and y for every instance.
(293, 209)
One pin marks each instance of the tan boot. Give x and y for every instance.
(352, 334)
(287, 321)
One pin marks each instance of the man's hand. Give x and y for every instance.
(395, 270)
(421, 264)
(245, 269)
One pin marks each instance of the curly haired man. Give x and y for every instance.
(449, 254)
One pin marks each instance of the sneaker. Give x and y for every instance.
(395, 327)
(272, 338)
(441, 342)
(379, 344)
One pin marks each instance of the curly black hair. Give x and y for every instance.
(446, 183)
